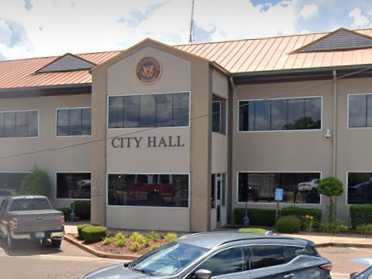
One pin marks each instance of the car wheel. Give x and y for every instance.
(56, 243)
(10, 242)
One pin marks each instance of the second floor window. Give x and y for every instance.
(280, 114)
(219, 115)
(159, 110)
(360, 111)
(74, 122)
(18, 124)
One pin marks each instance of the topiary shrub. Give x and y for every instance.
(36, 183)
(257, 217)
(331, 187)
(361, 214)
(93, 234)
(79, 229)
(301, 212)
(81, 209)
(364, 229)
(288, 224)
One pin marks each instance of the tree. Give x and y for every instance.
(331, 187)
(36, 183)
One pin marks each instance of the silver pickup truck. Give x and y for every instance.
(30, 217)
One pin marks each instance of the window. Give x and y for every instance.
(73, 185)
(260, 187)
(159, 110)
(281, 114)
(267, 255)
(166, 190)
(359, 188)
(18, 124)
(10, 183)
(218, 115)
(74, 122)
(225, 262)
(360, 111)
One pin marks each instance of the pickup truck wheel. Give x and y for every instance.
(10, 241)
(56, 243)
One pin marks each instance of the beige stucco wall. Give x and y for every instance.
(354, 146)
(282, 151)
(73, 159)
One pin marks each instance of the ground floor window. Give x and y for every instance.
(168, 190)
(260, 187)
(73, 185)
(10, 183)
(359, 187)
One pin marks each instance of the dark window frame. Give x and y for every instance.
(58, 197)
(267, 105)
(69, 125)
(12, 128)
(173, 121)
(243, 201)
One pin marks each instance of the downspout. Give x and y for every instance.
(230, 142)
(334, 124)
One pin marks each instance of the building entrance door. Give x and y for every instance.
(220, 198)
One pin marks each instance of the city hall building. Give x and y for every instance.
(164, 137)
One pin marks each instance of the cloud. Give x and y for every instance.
(136, 16)
(28, 4)
(309, 11)
(201, 34)
(358, 18)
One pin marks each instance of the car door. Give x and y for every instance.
(229, 263)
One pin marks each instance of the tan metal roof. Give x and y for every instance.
(239, 56)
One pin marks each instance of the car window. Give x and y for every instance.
(293, 251)
(228, 261)
(267, 255)
(30, 204)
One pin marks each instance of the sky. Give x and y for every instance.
(31, 28)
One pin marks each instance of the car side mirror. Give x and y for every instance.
(202, 274)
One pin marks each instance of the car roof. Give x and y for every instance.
(211, 240)
(27, 197)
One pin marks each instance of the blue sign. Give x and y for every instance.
(279, 193)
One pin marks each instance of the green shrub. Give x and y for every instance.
(66, 212)
(257, 217)
(169, 237)
(335, 227)
(79, 229)
(301, 212)
(253, 230)
(288, 224)
(364, 229)
(135, 247)
(81, 209)
(361, 214)
(331, 187)
(120, 239)
(36, 183)
(108, 240)
(153, 247)
(154, 236)
(139, 238)
(93, 234)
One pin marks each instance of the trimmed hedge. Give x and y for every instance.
(258, 217)
(93, 234)
(288, 224)
(80, 229)
(361, 214)
(301, 212)
(82, 209)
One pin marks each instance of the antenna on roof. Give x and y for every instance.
(192, 21)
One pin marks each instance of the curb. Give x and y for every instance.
(97, 253)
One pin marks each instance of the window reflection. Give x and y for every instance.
(359, 188)
(360, 111)
(260, 187)
(19, 124)
(281, 114)
(74, 122)
(73, 185)
(168, 190)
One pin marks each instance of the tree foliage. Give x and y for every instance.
(36, 183)
(331, 187)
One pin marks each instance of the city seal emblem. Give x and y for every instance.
(148, 69)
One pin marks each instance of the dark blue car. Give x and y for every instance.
(225, 255)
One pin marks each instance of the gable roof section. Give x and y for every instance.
(67, 63)
(341, 39)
